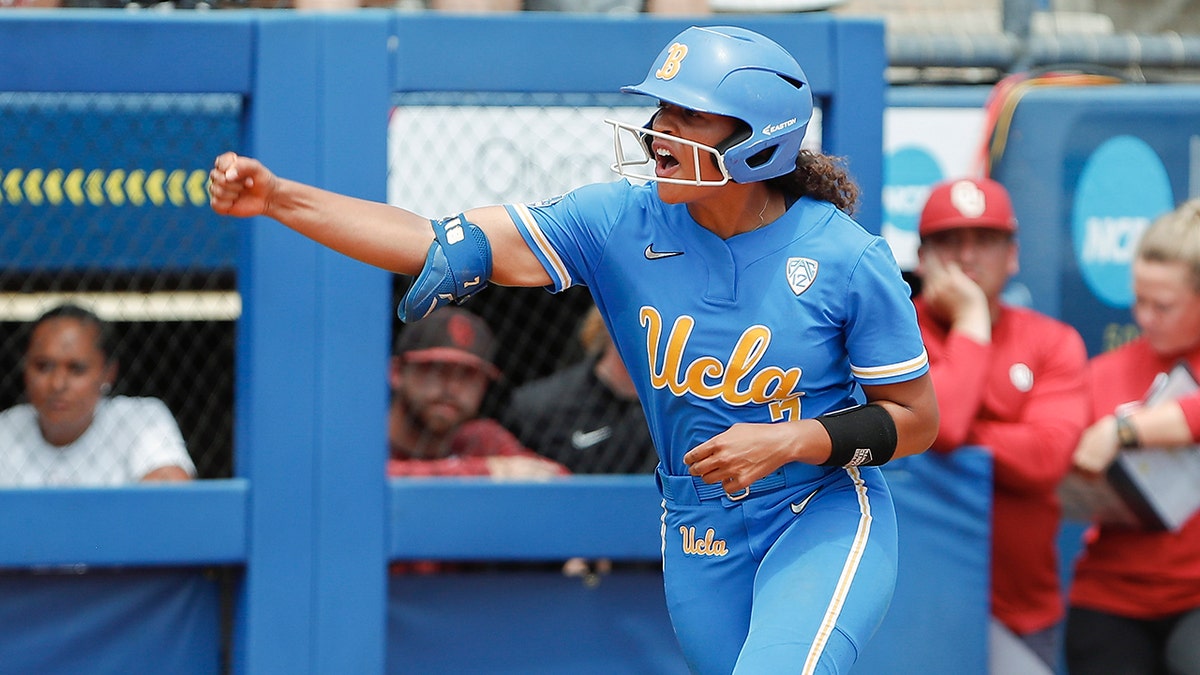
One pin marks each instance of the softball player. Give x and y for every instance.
(771, 338)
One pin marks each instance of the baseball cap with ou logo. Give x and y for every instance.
(968, 202)
(449, 335)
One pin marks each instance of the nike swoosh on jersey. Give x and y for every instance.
(798, 508)
(651, 254)
(586, 439)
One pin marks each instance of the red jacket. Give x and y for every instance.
(1024, 397)
(1134, 573)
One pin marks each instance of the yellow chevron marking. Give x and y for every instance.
(112, 187)
(54, 186)
(12, 185)
(197, 187)
(75, 186)
(33, 187)
(175, 187)
(133, 187)
(100, 187)
(93, 186)
(154, 187)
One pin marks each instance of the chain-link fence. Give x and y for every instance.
(457, 151)
(103, 203)
(448, 153)
(102, 200)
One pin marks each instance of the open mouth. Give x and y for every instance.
(662, 158)
(665, 163)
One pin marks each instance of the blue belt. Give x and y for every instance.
(676, 488)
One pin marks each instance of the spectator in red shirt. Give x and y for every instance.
(1013, 381)
(440, 371)
(1135, 594)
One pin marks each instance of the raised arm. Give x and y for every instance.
(378, 234)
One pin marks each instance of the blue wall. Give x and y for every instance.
(1089, 168)
(309, 521)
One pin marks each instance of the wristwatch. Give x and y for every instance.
(1127, 435)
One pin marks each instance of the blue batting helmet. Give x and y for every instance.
(725, 70)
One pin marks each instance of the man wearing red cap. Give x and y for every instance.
(1013, 381)
(440, 371)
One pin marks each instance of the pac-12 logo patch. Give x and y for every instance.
(801, 272)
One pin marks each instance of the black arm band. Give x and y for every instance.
(1127, 435)
(862, 436)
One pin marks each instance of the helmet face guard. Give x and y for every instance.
(736, 73)
(629, 168)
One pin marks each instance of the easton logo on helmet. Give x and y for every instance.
(772, 128)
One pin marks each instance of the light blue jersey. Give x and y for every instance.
(772, 325)
(781, 323)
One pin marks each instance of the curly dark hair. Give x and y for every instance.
(823, 177)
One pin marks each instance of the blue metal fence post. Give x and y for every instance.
(855, 129)
(312, 341)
